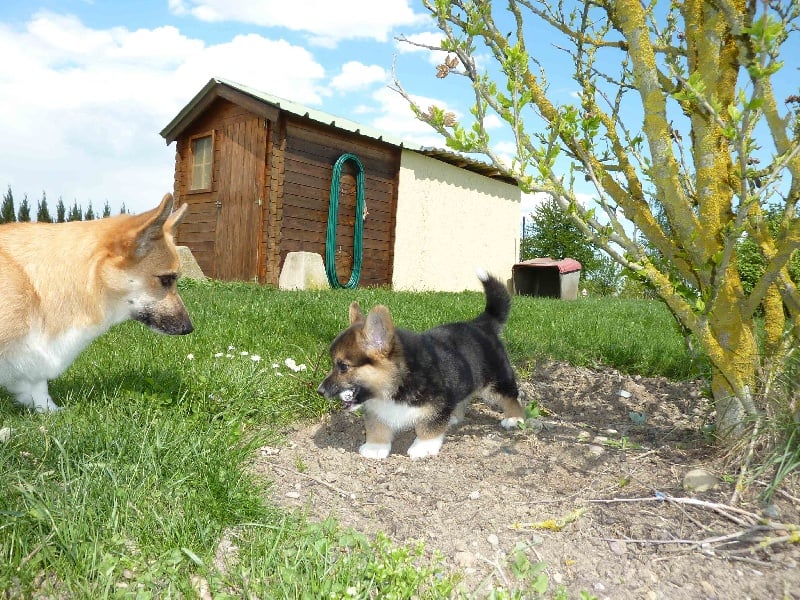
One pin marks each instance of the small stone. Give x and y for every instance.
(5, 434)
(709, 589)
(584, 436)
(464, 559)
(493, 540)
(600, 439)
(474, 495)
(771, 511)
(699, 480)
(534, 425)
(618, 547)
(624, 394)
(294, 495)
(596, 450)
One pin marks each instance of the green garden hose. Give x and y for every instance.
(358, 233)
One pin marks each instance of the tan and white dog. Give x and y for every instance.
(62, 285)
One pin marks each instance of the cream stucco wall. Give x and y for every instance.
(451, 221)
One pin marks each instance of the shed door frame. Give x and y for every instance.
(240, 198)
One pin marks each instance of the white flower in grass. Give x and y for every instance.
(243, 353)
(231, 347)
(255, 357)
(229, 355)
(218, 355)
(290, 362)
(190, 356)
(276, 366)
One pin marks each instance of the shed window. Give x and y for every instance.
(202, 149)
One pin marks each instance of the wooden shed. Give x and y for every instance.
(257, 171)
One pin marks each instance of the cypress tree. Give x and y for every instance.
(75, 213)
(61, 211)
(89, 215)
(42, 212)
(24, 215)
(106, 210)
(7, 212)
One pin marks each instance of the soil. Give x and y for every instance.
(554, 490)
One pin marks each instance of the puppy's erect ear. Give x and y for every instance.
(356, 316)
(379, 330)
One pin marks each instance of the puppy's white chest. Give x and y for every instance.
(397, 416)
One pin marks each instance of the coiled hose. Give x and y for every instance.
(358, 233)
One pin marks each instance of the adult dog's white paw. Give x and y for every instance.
(377, 451)
(422, 448)
(511, 422)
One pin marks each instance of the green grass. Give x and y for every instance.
(129, 491)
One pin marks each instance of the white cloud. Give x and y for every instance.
(531, 201)
(83, 107)
(327, 22)
(396, 118)
(358, 76)
(492, 121)
(419, 43)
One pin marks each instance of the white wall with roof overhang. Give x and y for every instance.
(451, 221)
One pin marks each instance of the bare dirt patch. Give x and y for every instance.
(490, 492)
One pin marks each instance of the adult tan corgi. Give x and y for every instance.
(62, 285)
(405, 380)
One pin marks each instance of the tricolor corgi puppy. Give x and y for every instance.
(405, 380)
(62, 285)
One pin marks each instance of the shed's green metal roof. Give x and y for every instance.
(183, 118)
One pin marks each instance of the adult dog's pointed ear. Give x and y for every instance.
(356, 316)
(378, 331)
(155, 224)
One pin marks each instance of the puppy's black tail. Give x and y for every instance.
(498, 301)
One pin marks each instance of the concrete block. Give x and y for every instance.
(189, 267)
(303, 271)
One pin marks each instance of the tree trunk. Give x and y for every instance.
(734, 368)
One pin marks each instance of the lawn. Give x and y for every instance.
(132, 490)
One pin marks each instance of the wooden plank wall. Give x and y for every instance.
(271, 238)
(310, 152)
(198, 228)
(299, 164)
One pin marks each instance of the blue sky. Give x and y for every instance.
(87, 85)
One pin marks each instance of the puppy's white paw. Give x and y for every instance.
(422, 448)
(377, 451)
(511, 422)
